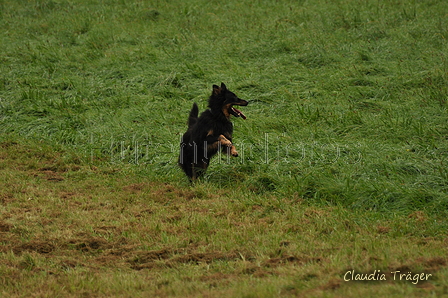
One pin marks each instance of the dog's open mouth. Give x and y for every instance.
(237, 113)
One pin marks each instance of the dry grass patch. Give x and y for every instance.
(100, 233)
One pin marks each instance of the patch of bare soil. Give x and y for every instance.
(88, 244)
(148, 259)
(172, 258)
(290, 259)
(136, 187)
(50, 175)
(42, 247)
(429, 265)
(196, 258)
(4, 227)
(6, 198)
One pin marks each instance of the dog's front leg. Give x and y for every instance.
(231, 150)
(224, 141)
(214, 144)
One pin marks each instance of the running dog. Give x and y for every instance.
(210, 132)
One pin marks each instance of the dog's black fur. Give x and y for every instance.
(210, 132)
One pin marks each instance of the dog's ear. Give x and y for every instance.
(216, 90)
(223, 86)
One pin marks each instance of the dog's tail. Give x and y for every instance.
(193, 115)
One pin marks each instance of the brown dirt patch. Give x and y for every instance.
(67, 195)
(208, 258)
(433, 264)
(290, 259)
(41, 247)
(6, 198)
(52, 176)
(4, 227)
(429, 265)
(171, 258)
(136, 187)
(89, 244)
(419, 216)
(145, 257)
(382, 230)
(148, 260)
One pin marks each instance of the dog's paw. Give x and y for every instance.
(224, 141)
(227, 143)
(234, 153)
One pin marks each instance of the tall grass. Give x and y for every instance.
(348, 99)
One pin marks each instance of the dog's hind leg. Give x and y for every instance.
(193, 176)
(199, 169)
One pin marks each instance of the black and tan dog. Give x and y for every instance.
(209, 133)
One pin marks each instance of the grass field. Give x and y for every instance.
(342, 166)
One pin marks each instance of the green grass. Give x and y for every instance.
(343, 157)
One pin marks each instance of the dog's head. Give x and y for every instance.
(223, 100)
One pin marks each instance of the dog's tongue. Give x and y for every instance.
(240, 114)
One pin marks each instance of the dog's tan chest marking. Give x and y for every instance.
(225, 110)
